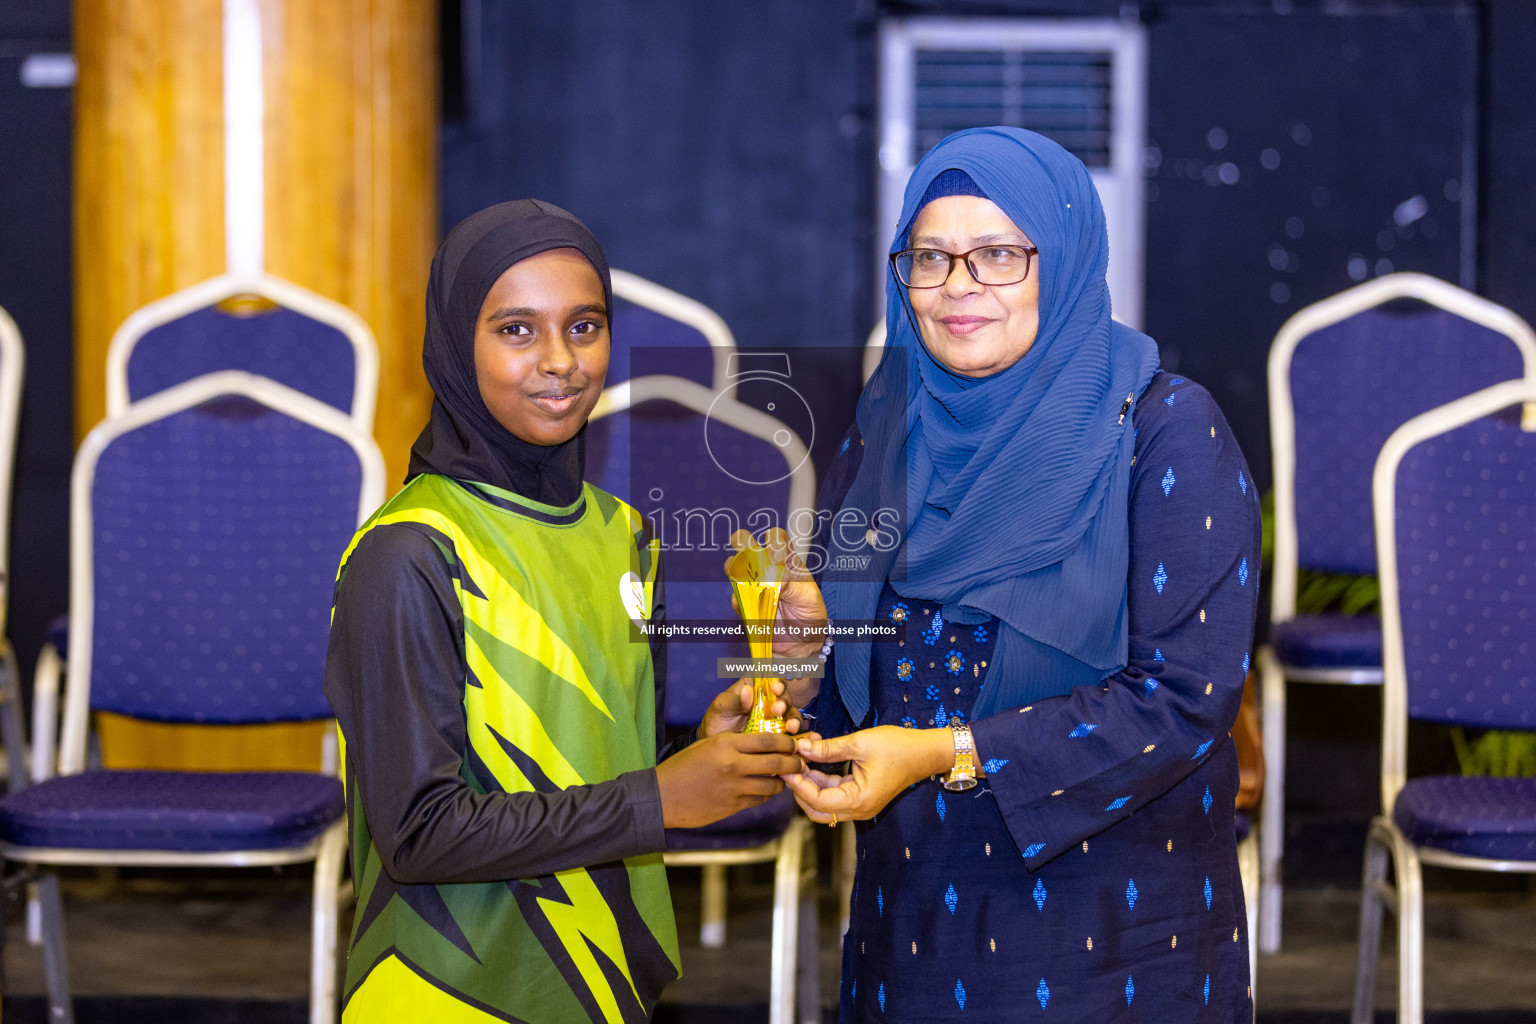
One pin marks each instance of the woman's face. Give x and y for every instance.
(973, 329)
(541, 346)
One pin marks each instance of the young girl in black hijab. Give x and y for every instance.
(500, 725)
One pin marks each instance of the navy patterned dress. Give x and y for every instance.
(1092, 876)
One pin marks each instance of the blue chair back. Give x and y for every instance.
(1465, 514)
(1352, 384)
(217, 531)
(307, 355)
(654, 456)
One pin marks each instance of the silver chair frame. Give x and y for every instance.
(1405, 898)
(328, 850)
(1282, 420)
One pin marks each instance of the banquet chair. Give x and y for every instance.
(659, 331)
(1455, 516)
(699, 464)
(207, 522)
(1343, 374)
(263, 325)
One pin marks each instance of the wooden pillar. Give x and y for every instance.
(349, 185)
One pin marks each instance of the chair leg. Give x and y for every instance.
(12, 732)
(1272, 811)
(55, 957)
(847, 867)
(1248, 874)
(1410, 934)
(808, 976)
(786, 929)
(1373, 878)
(712, 907)
(324, 912)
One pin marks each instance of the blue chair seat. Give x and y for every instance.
(1474, 816)
(1328, 641)
(182, 811)
(751, 827)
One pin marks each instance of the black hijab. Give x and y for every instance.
(463, 440)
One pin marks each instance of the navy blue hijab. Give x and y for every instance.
(1009, 492)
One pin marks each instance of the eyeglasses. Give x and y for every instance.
(988, 264)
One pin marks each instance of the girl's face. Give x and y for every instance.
(541, 346)
(973, 329)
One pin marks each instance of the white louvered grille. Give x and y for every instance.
(1064, 95)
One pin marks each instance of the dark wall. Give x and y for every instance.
(1283, 151)
(1509, 147)
(722, 150)
(36, 128)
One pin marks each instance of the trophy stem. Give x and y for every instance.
(760, 720)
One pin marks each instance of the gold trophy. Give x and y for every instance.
(755, 580)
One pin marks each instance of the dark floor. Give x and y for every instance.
(233, 949)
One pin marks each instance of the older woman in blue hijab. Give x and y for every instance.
(1067, 541)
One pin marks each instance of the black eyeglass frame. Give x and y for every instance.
(1030, 252)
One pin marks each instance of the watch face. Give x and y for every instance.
(957, 785)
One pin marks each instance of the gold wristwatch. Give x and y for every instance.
(963, 775)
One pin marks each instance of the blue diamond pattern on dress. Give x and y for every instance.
(1082, 730)
(1043, 993)
(1206, 800)
(941, 717)
(1130, 990)
(882, 997)
(1157, 654)
(1242, 481)
(1242, 573)
(1207, 990)
(951, 898)
(994, 765)
(1169, 400)
(1131, 893)
(959, 993)
(1207, 892)
(1168, 482)
(1039, 894)
(1201, 749)
(938, 805)
(1032, 849)
(1117, 803)
(1245, 664)
(846, 442)
(1160, 578)
(1149, 686)
(1176, 382)
(880, 899)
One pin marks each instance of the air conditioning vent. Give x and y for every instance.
(1066, 96)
